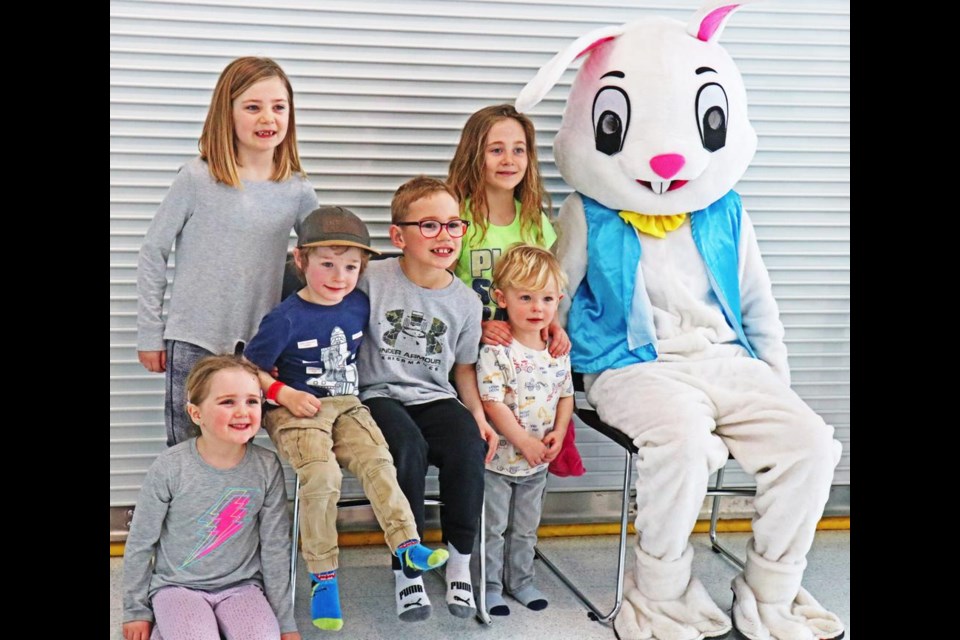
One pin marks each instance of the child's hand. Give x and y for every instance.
(491, 437)
(533, 451)
(554, 442)
(300, 403)
(497, 332)
(559, 341)
(290, 635)
(155, 361)
(136, 630)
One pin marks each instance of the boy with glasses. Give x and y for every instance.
(424, 322)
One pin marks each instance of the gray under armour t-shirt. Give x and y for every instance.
(415, 335)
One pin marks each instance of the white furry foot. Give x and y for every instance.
(802, 619)
(692, 616)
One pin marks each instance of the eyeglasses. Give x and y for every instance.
(431, 228)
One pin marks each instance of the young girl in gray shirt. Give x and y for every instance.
(212, 514)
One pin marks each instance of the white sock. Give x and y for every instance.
(459, 586)
(412, 601)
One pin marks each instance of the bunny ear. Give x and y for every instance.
(708, 22)
(549, 73)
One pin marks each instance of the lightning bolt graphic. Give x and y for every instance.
(222, 521)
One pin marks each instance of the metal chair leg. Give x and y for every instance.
(482, 614)
(296, 539)
(595, 613)
(719, 491)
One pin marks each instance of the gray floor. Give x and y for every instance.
(366, 589)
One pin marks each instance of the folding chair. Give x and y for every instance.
(590, 417)
(429, 501)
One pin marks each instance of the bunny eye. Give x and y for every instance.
(611, 117)
(712, 116)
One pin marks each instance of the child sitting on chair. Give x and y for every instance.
(312, 338)
(527, 395)
(425, 324)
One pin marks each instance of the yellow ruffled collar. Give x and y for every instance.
(656, 226)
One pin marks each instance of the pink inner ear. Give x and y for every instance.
(595, 45)
(712, 22)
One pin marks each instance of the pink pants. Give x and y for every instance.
(240, 613)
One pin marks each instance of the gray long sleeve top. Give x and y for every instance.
(231, 249)
(209, 529)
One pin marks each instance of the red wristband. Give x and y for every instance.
(273, 391)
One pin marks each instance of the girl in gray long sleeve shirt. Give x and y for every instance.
(212, 512)
(230, 212)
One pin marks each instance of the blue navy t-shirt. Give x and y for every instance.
(313, 346)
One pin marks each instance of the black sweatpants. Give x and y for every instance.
(442, 433)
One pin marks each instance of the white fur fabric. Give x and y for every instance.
(662, 580)
(769, 602)
(685, 416)
(692, 616)
(802, 618)
(771, 581)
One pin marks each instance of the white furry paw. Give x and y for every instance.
(692, 616)
(802, 619)
(628, 625)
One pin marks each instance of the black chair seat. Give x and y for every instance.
(592, 419)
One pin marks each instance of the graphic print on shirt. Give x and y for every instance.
(482, 262)
(221, 522)
(414, 337)
(338, 376)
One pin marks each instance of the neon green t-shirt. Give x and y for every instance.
(477, 259)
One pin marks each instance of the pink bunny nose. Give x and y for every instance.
(667, 165)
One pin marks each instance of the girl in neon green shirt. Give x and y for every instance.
(497, 177)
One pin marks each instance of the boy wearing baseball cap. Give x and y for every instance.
(314, 416)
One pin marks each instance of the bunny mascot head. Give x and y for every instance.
(656, 121)
(674, 323)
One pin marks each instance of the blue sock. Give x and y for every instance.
(416, 558)
(325, 601)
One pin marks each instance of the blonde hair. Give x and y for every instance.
(201, 375)
(412, 190)
(527, 267)
(306, 252)
(467, 171)
(218, 145)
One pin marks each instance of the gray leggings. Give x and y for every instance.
(242, 613)
(181, 356)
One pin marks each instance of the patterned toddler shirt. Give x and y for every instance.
(530, 382)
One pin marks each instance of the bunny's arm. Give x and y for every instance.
(571, 249)
(758, 308)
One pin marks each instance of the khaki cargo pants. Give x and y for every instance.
(341, 434)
